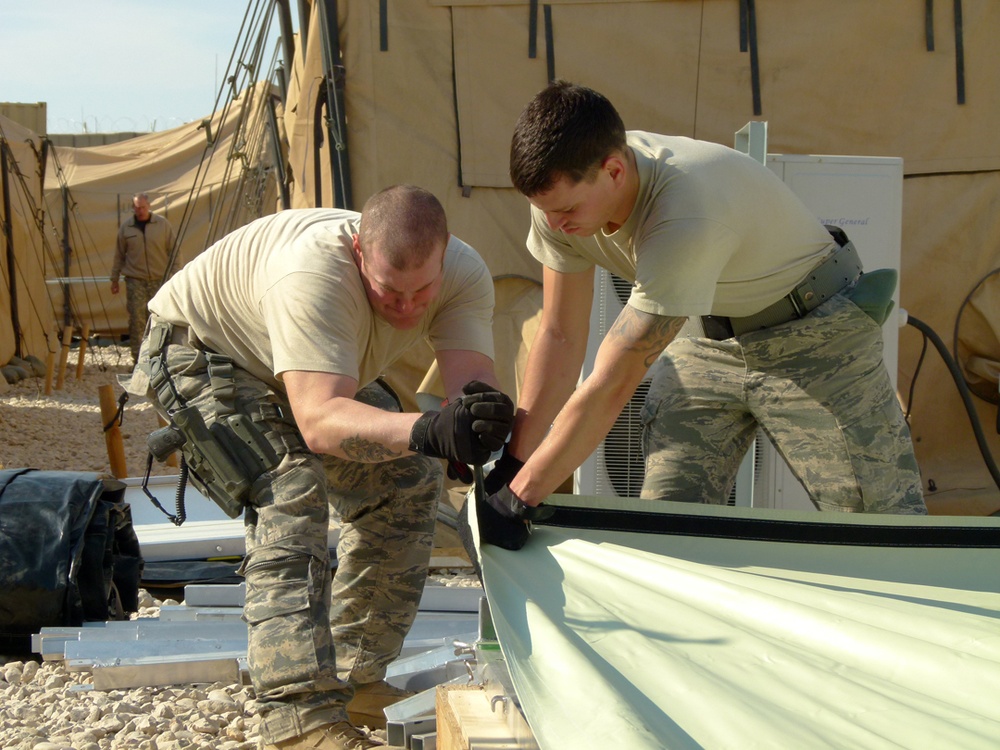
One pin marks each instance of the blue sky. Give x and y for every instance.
(110, 65)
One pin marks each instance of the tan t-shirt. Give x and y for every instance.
(713, 232)
(284, 293)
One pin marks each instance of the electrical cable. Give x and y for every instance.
(913, 380)
(963, 389)
(958, 321)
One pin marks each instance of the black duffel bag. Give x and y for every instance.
(68, 553)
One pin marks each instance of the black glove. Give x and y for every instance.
(503, 517)
(509, 505)
(503, 472)
(467, 430)
(496, 528)
(494, 413)
(459, 472)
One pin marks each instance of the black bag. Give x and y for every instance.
(68, 553)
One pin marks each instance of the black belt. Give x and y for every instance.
(838, 270)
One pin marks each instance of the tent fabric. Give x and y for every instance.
(205, 188)
(689, 75)
(26, 274)
(433, 89)
(167, 165)
(640, 640)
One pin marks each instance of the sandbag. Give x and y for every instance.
(68, 552)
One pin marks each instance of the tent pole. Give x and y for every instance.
(335, 122)
(67, 252)
(279, 158)
(8, 231)
(304, 10)
(287, 38)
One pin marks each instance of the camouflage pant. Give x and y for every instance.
(819, 390)
(387, 512)
(138, 293)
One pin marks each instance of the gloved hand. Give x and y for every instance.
(503, 519)
(459, 472)
(503, 472)
(494, 413)
(467, 430)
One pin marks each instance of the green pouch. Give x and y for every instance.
(873, 293)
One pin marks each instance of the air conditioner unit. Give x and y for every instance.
(617, 467)
(861, 194)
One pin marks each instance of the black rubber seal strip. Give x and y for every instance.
(533, 29)
(550, 52)
(959, 53)
(754, 59)
(929, 24)
(743, 25)
(383, 25)
(770, 530)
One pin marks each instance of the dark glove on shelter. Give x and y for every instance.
(503, 472)
(467, 430)
(503, 519)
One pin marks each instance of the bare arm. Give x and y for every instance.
(459, 366)
(555, 358)
(628, 350)
(332, 422)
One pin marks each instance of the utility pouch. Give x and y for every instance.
(215, 470)
(873, 293)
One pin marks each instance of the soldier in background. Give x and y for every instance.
(142, 252)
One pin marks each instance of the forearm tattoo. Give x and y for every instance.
(645, 333)
(366, 451)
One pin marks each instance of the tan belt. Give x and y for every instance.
(838, 270)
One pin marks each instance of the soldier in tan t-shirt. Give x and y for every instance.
(701, 231)
(275, 338)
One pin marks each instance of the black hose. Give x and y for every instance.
(963, 389)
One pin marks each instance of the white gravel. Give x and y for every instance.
(43, 706)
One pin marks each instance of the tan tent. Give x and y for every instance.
(431, 90)
(427, 92)
(24, 308)
(202, 177)
(206, 178)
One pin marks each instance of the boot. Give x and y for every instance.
(339, 736)
(367, 706)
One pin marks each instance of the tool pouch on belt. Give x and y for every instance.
(225, 457)
(222, 467)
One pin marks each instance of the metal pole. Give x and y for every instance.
(304, 10)
(279, 158)
(287, 37)
(8, 230)
(67, 255)
(336, 122)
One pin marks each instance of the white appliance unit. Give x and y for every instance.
(862, 195)
(616, 468)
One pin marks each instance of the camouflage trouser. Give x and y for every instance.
(138, 293)
(388, 513)
(819, 390)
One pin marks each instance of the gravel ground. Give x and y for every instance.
(64, 430)
(43, 706)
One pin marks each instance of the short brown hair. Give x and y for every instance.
(405, 223)
(566, 130)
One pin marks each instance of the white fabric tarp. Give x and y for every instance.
(645, 640)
